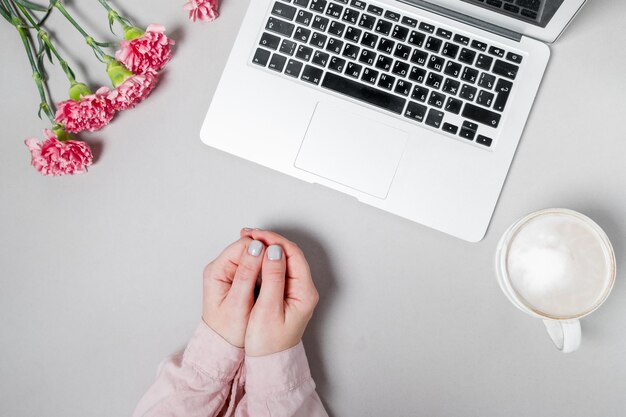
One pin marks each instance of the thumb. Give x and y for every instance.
(273, 272)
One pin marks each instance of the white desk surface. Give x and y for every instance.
(100, 274)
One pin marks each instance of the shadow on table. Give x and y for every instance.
(325, 282)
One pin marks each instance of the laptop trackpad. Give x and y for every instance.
(351, 150)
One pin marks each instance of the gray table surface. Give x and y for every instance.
(100, 274)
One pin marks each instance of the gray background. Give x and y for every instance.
(100, 274)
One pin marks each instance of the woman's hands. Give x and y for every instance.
(287, 297)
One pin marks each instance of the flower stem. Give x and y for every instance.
(100, 54)
(114, 15)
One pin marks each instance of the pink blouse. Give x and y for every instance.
(212, 379)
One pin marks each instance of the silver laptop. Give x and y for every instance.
(415, 107)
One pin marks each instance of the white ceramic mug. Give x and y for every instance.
(557, 265)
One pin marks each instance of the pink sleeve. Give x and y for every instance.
(195, 383)
(280, 385)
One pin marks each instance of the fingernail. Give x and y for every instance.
(255, 248)
(247, 229)
(274, 253)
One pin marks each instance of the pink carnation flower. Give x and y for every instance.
(55, 158)
(91, 112)
(205, 10)
(149, 52)
(133, 91)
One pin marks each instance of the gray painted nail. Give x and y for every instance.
(274, 253)
(255, 248)
(247, 229)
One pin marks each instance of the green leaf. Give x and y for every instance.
(5, 13)
(32, 6)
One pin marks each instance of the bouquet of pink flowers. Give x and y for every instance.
(134, 72)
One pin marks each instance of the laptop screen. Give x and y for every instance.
(536, 12)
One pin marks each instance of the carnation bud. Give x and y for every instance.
(60, 133)
(132, 32)
(78, 90)
(117, 72)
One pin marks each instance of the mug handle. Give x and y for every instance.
(564, 333)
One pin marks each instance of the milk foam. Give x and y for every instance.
(558, 265)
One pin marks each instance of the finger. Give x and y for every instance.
(272, 293)
(248, 269)
(297, 266)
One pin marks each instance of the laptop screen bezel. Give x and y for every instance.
(549, 34)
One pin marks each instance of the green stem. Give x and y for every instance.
(115, 15)
(45, 38)
(37, 76)
(102, 56)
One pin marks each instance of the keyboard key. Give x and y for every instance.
(386, 81)
(483, 140)
(419, 57)
(375, 10)
(503, 89)
(514, 58)
(261, 56)
(435, 63)
(336, 28)
(529, 4)
(416, 38)
(351, 51)
(420, 93)
(403, 88)
(318, 5)
(320, 23)
(367, 21)
(359, 91)
(409, 21)
(464, 40)
(383, 26)
(288, 47)
(511, 8)
(354, 34)
(480, 115)
(450, 128)
(493, 50)
(484, 62)
(269, 41)
(415, 111)
(293, 68)
(505, 69)
(426, 27)
(451, 86)
(334, 10)
(392, 15)
(466, 133)
(384, 62)
(433, 44)
(318, 40)
(444, 33)
(283, 10)
(453, 105)
(479, 45)
(484, 98)
(320, 58)
(302, 3)
(304, 52)
(417, 74)
(353, 70)
(358, 4)
(434, 80)
(367, 57)
(399, 32)
(280, 26)
(486, 81)
(369, 39)
(452, 69)
(470, 75)
(467, 56)
(369, 75)
(337, 64)
(277, 63)
(494, 3)
(450, 50)
(402, 51)
(436, 99)
(302, 34)
(468, 92)
(386, 45)
(334, 45)
(434, 118)
(351, 16)
(400, 68)
(303, 17)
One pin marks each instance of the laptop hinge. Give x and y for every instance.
(442, 11)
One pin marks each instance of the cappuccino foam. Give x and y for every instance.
(559, 266)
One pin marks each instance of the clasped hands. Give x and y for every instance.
(276, 320)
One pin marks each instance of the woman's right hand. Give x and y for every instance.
(286, 299)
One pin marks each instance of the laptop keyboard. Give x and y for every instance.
(413, 69)
(528, 9)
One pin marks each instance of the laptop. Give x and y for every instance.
(415, 107)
